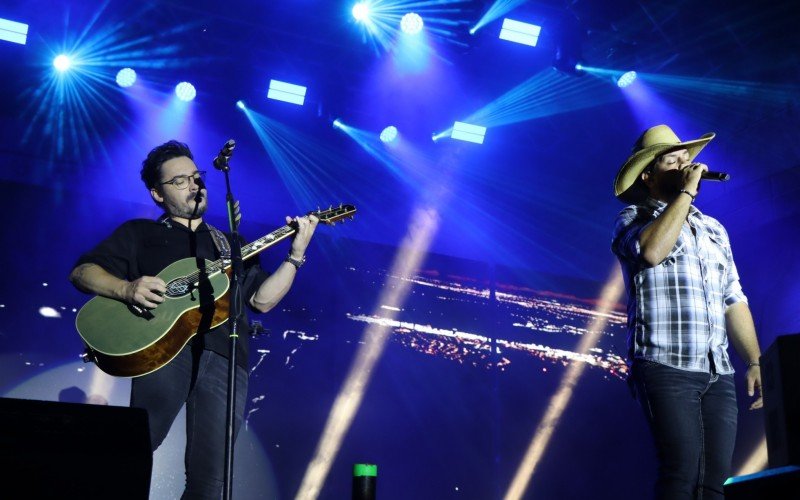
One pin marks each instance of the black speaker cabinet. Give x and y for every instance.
(71, 450)
(780, 377)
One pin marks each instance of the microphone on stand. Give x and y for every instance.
(198, 196)
(221, 161)
(715, 176)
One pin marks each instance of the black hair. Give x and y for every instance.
(151, 166)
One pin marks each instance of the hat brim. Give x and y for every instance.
(626, 187)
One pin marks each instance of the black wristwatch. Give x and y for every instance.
(296, 263)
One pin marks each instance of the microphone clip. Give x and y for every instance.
(221, 160)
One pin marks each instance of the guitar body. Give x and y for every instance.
(128, 341)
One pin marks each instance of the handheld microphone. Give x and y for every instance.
(715, 176)
(221, 161)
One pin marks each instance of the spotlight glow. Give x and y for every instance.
(49, 312)
(126, 77)
(389, 134)
(240, 105)
(185, 91)
(361, 11)
(337, 123)
(626, 79)
(62, 62)
(411, 23)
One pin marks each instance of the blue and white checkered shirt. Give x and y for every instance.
(676, 309)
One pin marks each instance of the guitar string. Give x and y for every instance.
(218, 265)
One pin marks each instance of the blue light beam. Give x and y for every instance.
(498, 9)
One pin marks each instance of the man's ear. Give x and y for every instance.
(647, 177)
(156, 196)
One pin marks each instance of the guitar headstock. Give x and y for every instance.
(334, 214)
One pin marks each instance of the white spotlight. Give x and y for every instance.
(626, 79)
(389, 134)
(185, 91)
(62, 62)
(361, 11)
(126, 77)
(411, 23)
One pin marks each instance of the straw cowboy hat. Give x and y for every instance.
(653, 143)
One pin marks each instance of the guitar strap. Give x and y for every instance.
(220, 241)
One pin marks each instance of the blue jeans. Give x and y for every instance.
(692, 417)
(199, 379)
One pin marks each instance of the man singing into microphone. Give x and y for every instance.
(684, 304)
(125, 267)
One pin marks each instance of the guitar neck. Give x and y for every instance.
(255, 247)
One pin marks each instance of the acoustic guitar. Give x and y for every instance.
(127, 340)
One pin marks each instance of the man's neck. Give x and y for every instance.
(191, 224)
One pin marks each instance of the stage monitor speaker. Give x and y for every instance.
(782, 483)
(780, 369)
(71, 450)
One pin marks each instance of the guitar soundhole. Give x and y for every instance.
(177, 288)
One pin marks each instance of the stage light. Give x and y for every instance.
(337, 123)
(49, 312)
(411, 23)
(240, 105)
(185, 91)
(467, 132)
(519, 32)
(62, 62)
(498, 9)
(287, 92)
(126, 77)
(389, 134)
(12, 31)
(361, 11)
(626, 79)
(579, 67)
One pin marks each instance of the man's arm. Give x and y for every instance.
(274, 288)
(146, 291)
(742, 333)
(658, 238)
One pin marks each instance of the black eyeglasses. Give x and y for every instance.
(182, 181)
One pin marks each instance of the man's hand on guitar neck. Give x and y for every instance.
(305, 230)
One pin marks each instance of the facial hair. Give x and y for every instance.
(190, 208)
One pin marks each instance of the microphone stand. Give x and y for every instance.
(236, 310)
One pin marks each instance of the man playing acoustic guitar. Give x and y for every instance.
(125, 267)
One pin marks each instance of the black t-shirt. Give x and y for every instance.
(143, 247)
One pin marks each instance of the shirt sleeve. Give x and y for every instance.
(733, 288)
(627, 229)
(117, 253)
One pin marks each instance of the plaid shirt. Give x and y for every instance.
(676, 309)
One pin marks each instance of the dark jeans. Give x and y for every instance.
(692, 417)
(201, 381)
